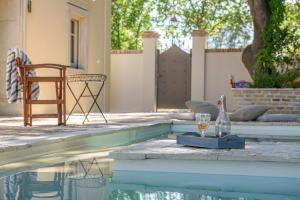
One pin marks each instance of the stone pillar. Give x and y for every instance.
(198, 65)
(149, 70)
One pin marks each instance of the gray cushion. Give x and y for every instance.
(278, 118)
(248, 113)
(203, 107)
(182, 116)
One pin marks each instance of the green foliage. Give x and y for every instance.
(129, 19)
(227, 21)
(284, 80)
(275, 66)
(292, 22)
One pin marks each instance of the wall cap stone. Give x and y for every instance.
(150, 34)
(199, 33)
(227, 50)
(126, 51)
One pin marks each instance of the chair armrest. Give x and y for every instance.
(45, 66)
(39, 66)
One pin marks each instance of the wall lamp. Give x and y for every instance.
(29, 6)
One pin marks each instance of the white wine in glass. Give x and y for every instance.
(203, 126)
(203, 120)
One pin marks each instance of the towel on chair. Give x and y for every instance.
(13, 83)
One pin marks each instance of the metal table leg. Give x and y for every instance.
(95, 97)
(77, 101)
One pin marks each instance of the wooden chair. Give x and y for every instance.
(60, 88)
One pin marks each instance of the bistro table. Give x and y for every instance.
(86, 79)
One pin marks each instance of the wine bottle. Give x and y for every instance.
(223, 125)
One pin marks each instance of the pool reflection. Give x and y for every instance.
(90, 179)
(67, 181)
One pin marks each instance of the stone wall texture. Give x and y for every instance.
(283, 101)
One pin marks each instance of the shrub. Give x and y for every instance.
(285, 80)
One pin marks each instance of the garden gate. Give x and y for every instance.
(173, 78)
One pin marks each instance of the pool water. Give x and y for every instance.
(93, 179)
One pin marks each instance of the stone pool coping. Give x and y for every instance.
(14, 137)
(190, 122)
(254, 151)
(251, 130)
(83, 133)
(94, 130)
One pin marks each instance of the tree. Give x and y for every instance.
(276, 36)
(292, 22)
(227, 21)
(260, 14)
(269, 59)
(129, 19)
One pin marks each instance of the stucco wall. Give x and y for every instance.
(219, 66)
(46, 41)
(127, 78)
(10, 28)
(126, 82)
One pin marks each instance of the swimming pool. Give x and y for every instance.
(38, 178)
(94, 179)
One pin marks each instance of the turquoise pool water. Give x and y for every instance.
(80, 177)
(93, 179)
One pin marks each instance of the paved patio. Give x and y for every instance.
(13, 134)
(273, 159)
(254, 151)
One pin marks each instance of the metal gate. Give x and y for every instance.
(173, 79)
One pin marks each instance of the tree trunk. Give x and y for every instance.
(260, 14)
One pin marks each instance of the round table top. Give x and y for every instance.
(86, 78)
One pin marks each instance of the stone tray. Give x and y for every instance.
(194, 139)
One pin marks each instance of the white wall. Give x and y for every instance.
(219, 66)
(10, 28)
(127, 78)
(44, 36)
(126, 93)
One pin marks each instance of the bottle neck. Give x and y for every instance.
(223, 105)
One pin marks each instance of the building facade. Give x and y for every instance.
(69, 32)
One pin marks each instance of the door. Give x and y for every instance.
(174, 79)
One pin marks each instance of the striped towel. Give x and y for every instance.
(13, 84)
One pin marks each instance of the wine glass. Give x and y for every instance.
(203, 120)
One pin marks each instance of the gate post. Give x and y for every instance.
(149, 70)
(198, 65)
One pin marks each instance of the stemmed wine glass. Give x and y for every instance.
(203, 120)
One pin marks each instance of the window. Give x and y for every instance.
(74, 43)
(78, 35)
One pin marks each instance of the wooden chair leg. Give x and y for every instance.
(57, 105)
(25, 110)
(64, 99)
(60, 105)
(29, 104)
(56, 93)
